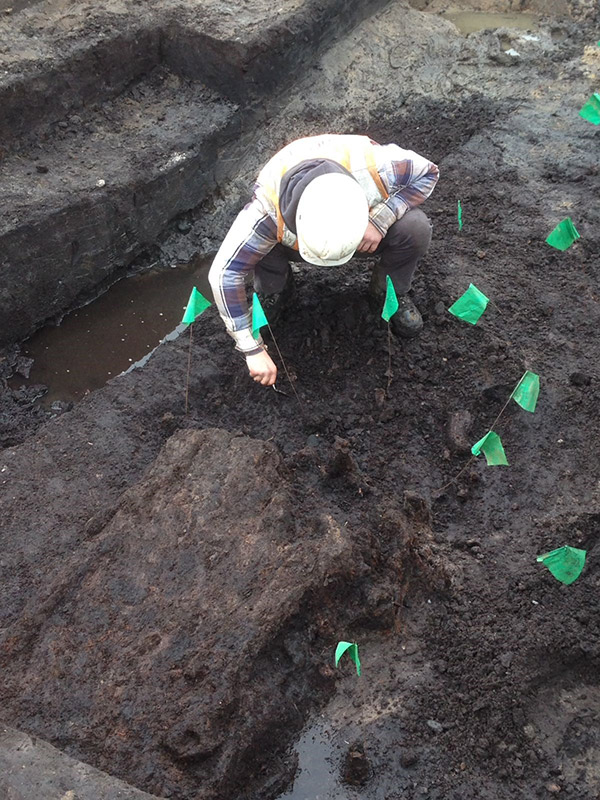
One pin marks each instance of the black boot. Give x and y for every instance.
(407, 321)
(274, 304)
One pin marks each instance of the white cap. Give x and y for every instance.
(331, 219)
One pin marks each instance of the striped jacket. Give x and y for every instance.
(394, 181)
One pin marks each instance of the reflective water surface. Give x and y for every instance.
(110, 334)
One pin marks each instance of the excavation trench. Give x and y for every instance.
(124, 324)
(175, 584)
(113, 126)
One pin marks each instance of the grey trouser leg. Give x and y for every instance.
(271, 272)
(405, 243)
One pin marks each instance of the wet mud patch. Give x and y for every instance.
(472, 21)
(111, 334)
(60, 364)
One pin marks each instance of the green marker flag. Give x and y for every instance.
(258, 316)
(526, 391)
(460, 222)
(390, 305)
(563, 236)
(591, 110)
(352, 652)
(565, 563)
(196, 305)
(491, 444)
(470, 306)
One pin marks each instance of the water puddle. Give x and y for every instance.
(472, 21)
(112, 333)
(316, 778)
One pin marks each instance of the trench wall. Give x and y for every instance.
(63, 235)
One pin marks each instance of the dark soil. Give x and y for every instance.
(19, 414)
(173, 601)
(355, 457)
(202, 606)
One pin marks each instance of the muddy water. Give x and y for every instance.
(112, 333)
(318, 767)
(472, 21)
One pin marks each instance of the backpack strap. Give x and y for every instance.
(372, 167)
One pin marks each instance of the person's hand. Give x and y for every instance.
(371, 239)
(262, 369)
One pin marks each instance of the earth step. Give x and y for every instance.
(101, 190)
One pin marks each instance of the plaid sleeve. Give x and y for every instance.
(252, 235)
(409, 179)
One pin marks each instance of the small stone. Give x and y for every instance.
(553, 788)
(379, 397)
(440, 308)
(356, 769)
(100, 183)
(416, 506)
(29, 394)
(530, 731)
(62, 124)
(387, 414)
(23, 366)
(184, 226)
(457, 431)
(435, 726)
(506, 659)
(481, 254)
(408, 758)
(341, 461)
(579, 379)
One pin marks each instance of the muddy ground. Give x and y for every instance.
(175, 585)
